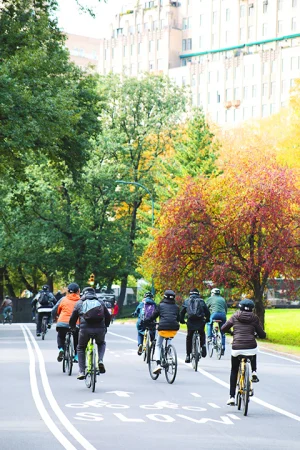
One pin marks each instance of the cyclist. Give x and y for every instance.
(143, 312)
(168, 313)
(7, 306)
(196, 321)
(218, 310)
(62, 311)
(43, 300)
(245, 324)
(86, 328)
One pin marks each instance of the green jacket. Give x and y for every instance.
(216, 303)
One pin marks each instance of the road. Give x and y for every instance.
(43, 408)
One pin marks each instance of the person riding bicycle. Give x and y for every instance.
(143, 311)
(62, 311)
(42, 302)
(245, 325)
(218, 310)
(198, 315)
(94, 319)
(7, 306)
(168, 313)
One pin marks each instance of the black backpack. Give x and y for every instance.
(194, 308)
(44, 299)
(92, 310)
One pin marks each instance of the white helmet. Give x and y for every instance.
(215, 291)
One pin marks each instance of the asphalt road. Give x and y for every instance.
(42, 408)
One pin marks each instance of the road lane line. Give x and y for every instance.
(52, 401)
(38, 401)
(123, 337)
(194, 394)
(279, 356)
(213, 405)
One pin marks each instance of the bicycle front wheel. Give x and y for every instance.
(246, 389)
(148, 345)
(171, 364)
(196, 355)
(94, 369)
(145, 345)
(152, 362)
(219, 345)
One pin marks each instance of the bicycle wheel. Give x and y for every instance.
(70, 354)
(152, 362)
(145, 345)
(44, 327)
(148, 345)
(10, 319)
(210, 346)
(171, 364)
(246, 389)
(88, 379)
(238, 398)
(219, 345)
(94, 369)
(196, 355)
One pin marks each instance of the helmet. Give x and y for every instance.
(148, 294)
(88, 289)
(73, 287)
(194, 291)
(215, 291)
(45, 287)
(169, 294)
(246, 305)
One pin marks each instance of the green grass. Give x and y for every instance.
(282, 326)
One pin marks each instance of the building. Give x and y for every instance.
(239, 57)
(84, 51)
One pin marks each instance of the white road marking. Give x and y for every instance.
(233, 416)
(224, 420)
(52, 401)
(38, 401)
(123, 337)
(194, 394)
(213, 405)
(120, 393)
(126, 419)
(279, 356)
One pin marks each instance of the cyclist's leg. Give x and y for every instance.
(189, 342)
(221, 316)
(201, 332)
(234, 374)
(209, 327)
(75, 337)
(61, 336)
(39, 322)
(101, 344)
(253, 360)
(159, 343)
(50, 321)
(83, 339)
(5, 311)
(140, 338)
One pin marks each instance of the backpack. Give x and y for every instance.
(92, 310)
(194, 308)
(148, 310)
(44, 299)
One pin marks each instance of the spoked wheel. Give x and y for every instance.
(94, 370)
(88, 378)
(44, 328)
(196, 355)
(246, 390)
(210, 347)
(145, 345)
(65, 359)
(171, 364)
(70, 355)
(219, 345)
(152, 362)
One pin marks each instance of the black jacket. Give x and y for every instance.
(168, 313)
(195, 324)
(77, 312)
(244, 324)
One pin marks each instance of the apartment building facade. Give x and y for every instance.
(239, 57)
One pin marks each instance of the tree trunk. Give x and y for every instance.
(259, 305)
(2, 269)
(8, 284)
(122, 292)
(50, 282)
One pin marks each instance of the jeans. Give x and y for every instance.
(6, 311)
(216, 316)
(83, 339)
(235, 362)
(159, 343)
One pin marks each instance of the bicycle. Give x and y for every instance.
(8, 318)
(146, 345)
(168, 359)
(196, 350)
(244, 384)
(68, 356)
(91, 363)
(216, 341)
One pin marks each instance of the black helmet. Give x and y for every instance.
(148, 294)
(169, 294)
(45, 287)
(73, 287)
(215, 291)
(246, 305)
(88, 289)
(194, 291)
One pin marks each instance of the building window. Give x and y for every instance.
(183, 62)
(294, 3)
(228, 94)
(200, 41)
(124, 50)
(254, 91)
(242, 34)
(284, 88)
(218, 97)
(264, 110)
(265, 7)
(201, 19)
(294, 24)
(237, 93)
(272, 108)
(215, 14)
(273, 88)
(185, 23)
(139, 28)
(264, 29)
(151, 65)
(251, 10)
(251, 32)
(264, 89)
(227, 36)
(227, 15)
(183, 45)
(131, 49)
(254, 111)
(151, 46)
(183, 81)
(242, 10)
(294, 63)
(280, 5)
(280, 26)
(186, 44)
(139, 48)
(245, 92)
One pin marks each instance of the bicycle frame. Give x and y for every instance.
(91, 360)
(244, 384)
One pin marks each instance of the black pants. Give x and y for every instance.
(39, 318)
(83, 339)
(61, 337)
(235, 362)
(189, 338)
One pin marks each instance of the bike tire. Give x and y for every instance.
(246, 390)
(210, 347)
(70, 355)
(219, 345)
(145, 346)
(171, 364)
(44, 328)
(88, 380)
(148, 345)
(238, 399)
(152, 362)
(94, 370)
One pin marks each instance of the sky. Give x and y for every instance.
(71, 20)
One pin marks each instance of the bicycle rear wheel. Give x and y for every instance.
(44, 327)
(70, 355)
(152, 362)
(196, 355)
(219, 345)
(94, 369)
(238, 398)
(148, 345)
(171, 362)
(210, 347)
(88, 364)
(246, 389)
(145, 345)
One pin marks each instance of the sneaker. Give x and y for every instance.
(101, 367)
(80, 376)
(254, 377)
(203, 351)
(75, 360)
(60, 355)
(38, 334)
(157, 370)
(231, 401)
(140, 349)
(187, 359)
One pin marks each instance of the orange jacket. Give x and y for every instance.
(66, 306)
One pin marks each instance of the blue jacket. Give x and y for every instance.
(138, 313)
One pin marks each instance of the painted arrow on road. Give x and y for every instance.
(120, 393)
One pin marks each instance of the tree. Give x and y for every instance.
(240, 228)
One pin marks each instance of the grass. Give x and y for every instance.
(282, 326)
